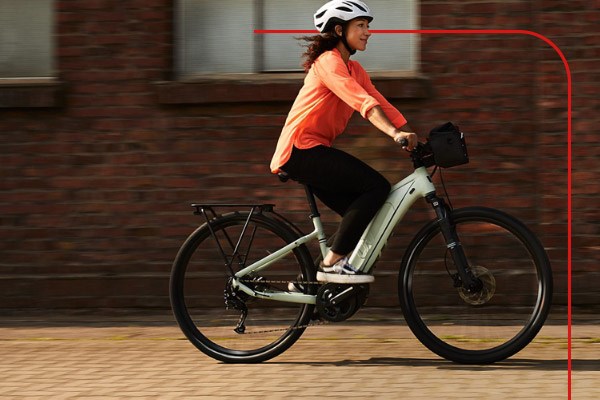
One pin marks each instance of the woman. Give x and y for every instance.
(333, 89)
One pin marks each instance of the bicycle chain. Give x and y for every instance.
(316, 323)
(279, 282)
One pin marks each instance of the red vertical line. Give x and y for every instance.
(569, 141)
(569, 205)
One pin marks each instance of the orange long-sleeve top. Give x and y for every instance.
(331, 93)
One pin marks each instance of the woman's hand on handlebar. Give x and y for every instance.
(378, 118)
(408, 140)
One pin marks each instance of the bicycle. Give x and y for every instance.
(243, 286)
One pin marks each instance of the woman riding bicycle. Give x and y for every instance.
(333, 89)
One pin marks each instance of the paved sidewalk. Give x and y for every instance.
(133, 356)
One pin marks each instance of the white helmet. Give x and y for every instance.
(340, 11)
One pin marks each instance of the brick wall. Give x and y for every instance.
(95, 190)
(569, 26)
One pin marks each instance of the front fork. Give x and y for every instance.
(465, 278)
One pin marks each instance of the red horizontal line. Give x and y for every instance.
(426, 31)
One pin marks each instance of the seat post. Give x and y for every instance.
(312, 203)
(314, 213)
(316, 220)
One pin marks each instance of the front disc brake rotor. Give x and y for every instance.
(487, 291)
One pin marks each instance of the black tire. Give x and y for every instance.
(199, 277)
(502, 319)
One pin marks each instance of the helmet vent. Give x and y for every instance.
(358, 6)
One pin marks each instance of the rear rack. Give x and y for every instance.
(201, 208)
(208, 210)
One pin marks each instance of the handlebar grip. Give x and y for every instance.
(283, 176)
(403, 142)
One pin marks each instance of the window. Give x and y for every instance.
(26, 38)
(216, 36)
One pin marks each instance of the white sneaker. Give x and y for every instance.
(342, 272)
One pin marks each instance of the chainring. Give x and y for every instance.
(335, 311)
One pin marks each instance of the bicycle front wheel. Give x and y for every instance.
(494, 323)
(200, 284)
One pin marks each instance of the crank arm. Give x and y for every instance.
(343, 295)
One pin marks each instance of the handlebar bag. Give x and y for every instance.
(448, 146)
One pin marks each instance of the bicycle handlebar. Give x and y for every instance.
(422, 155)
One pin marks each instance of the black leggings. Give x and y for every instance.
(343, 183)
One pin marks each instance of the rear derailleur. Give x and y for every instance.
(236, 300)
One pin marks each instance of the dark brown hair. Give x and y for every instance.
(317, 45)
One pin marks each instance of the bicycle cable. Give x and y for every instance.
(444, 187)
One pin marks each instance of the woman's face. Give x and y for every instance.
(357, 33)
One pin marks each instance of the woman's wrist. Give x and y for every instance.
(400, 134)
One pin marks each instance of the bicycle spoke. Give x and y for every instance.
(491, 323)
(227, 323)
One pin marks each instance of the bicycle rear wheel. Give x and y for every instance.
(200, 278)
(498, 321)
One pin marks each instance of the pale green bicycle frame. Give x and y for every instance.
(402, 196)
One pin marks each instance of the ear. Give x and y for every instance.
(339, 30)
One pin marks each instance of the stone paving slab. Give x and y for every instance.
(150, 359)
